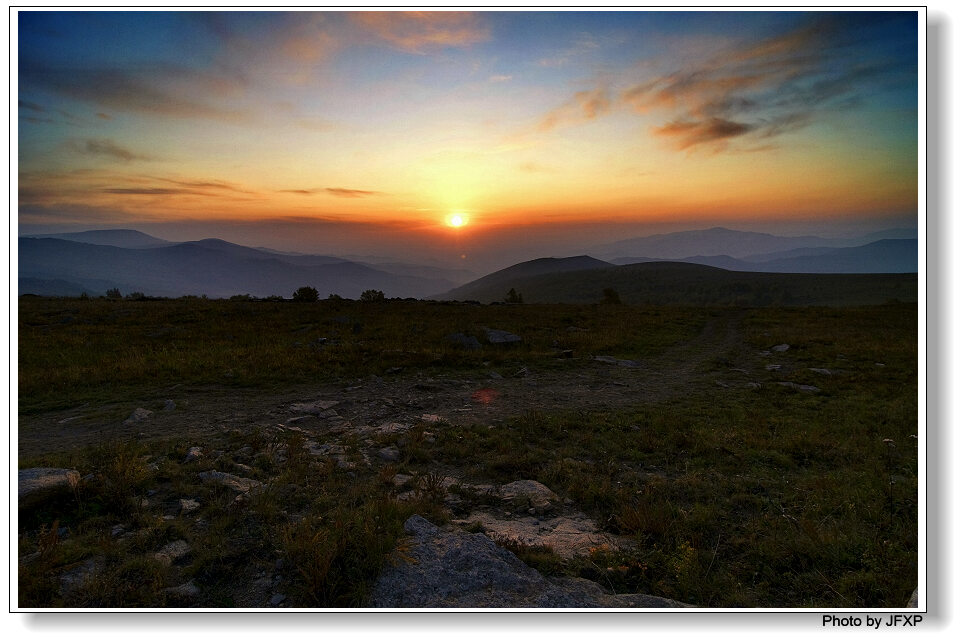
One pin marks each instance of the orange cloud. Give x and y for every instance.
(584, 105)
(419, 31)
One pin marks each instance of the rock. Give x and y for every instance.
(189, 505)
(38, 484)
(277, 599)
(465, 342)
(529, 494)
(500, 337)
(436, 569)
(773, 368)
(914, 600)
(821, 370)
(300, 420)
(173, 552)
(75, 577)
(193, 454)
(140, 414)
(611, 360)
(567, 536)
(780, 348)
(187, 590)
(169, 405)
(390, 454)
(314, 409)
(229, 480)
(808, 389)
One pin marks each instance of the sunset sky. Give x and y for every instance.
(364, 132)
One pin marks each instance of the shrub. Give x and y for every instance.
(513, 297)
(306, 295)
(372, 295)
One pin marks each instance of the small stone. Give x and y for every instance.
(185, 590)
(140, 414)
(463, 341)
(821, 370)
(780, 348)
(172, 552)
(501, 337)
(169, 405)
(189, 505)
(193, 454)
(389, 454)
(277, 599)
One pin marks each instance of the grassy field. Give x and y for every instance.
(736, 497)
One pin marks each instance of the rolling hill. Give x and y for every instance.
(495, 286)
(675, 283)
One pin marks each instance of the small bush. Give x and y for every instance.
(306, 294)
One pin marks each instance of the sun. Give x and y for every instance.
(456, 220)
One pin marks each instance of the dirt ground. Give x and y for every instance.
(715, 360)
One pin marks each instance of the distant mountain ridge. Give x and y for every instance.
(119, 238)
(732, 243)
(884, 256)
(209, 267)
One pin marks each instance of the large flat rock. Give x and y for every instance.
(434, 568)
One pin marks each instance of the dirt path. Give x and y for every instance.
(714, 360)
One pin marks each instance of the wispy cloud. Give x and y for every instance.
(422, 31)
(104, 148)
(753, 91)
(161, 90)
(584, 105)
(499, 78)
(349, 193)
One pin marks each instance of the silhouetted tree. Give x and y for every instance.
(114, 293)
(372, 295)
(513, 297)
(305, 295)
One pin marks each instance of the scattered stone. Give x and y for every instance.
(299, 420)
(390, 454)
(914, 600)
(821, 370)
(808, 389)
(173, 552)
(187, 590)
(75, 577)
(37, 484)
(438, 569)
(277, 599)
(401, 479)
(189, 505)
(314, 409)
(140, 414)
(465, 342)
(780, 348)
(169, 405)
(495, 376)
(501, 337)
(117, 530)
(773, 368)
(611, 360)
(754, 385)
(529, 494)
(229, 480)
(431, 418)
(194, 453)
